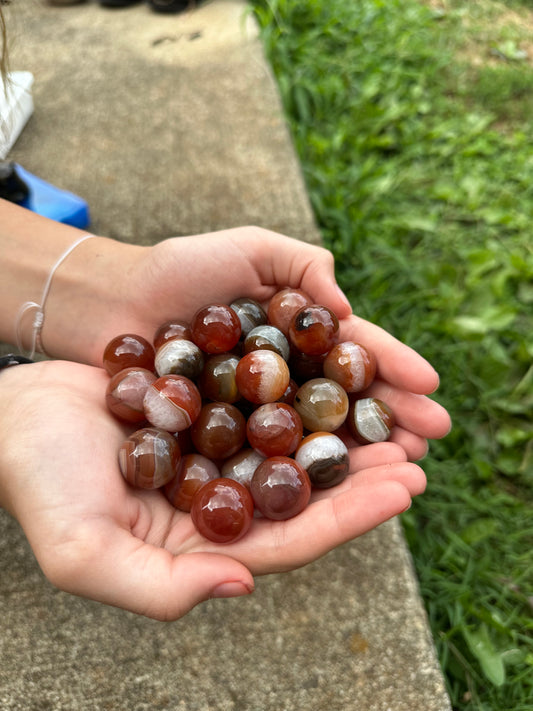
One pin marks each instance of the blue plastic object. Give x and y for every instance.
(59, 205)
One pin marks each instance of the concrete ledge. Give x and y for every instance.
(346, 632)
(172, 125)
(165, 125)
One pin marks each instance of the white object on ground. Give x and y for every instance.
(16, 107)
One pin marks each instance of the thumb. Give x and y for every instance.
(284, 261)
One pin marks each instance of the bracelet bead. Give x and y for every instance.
(12, 359)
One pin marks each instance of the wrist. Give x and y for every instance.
(90, 300)
(87, 299)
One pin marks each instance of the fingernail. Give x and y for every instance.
(343, 296)
(233, 588)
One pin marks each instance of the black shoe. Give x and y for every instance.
(63, 3)
(118, 3)
(170, 5)
(12, 187)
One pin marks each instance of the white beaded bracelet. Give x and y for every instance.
(38, 319)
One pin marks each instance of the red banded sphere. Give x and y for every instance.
(241, 466)
(149, 458)
(280, 488)
(262, 376)
(169, 330)
(220, 430)
(250, 312)
(290, 392)
(325, 457)
(218, 379)
(351, 365)
(179, 356)
(184, 440)
(322, 404)
(222, 510)
(216, 328)
(125, 393)
(268, 338)
(306, 367)
(194, 470)
(172, 402)
(284, 305)
(370, 420)
(313, 329)
(274, 429)
(126, 351)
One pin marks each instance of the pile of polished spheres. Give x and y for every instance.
(240, 408)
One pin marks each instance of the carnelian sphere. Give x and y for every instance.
(219, 431)
(324, 456)
(179, 356)
(306, 367)
(290, 392)
(280, 488)
(218, 380)
(128, 350)
(125, 393)
(322, 404)
(370, 420)
(216, 328)
(274, 429)
(194, 470)
(170, 330)
(262, 376)
(241, 466)
(351, 365)
(313, 329)
(269, 338)
(149, 458)
(283, 306)
(250, 312)
(184, 440)
(222, 510)
(172, 402)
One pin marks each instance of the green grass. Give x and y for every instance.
(413, 126)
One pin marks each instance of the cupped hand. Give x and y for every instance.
(180, 275)
(135, 289)
(177, 276)
(95, 536)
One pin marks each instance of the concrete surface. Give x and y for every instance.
(172, 125)
(165, 125)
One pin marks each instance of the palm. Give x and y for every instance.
(95, 536)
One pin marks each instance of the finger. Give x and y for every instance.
(416, 413)
(410, 475)
(401, 446)
(415, 447)
(276, 546)
(115, 568)
(374, 455)
(283, 261)
(397, 363)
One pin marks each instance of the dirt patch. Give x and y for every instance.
(492, 32)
